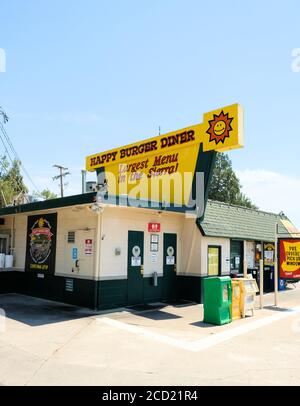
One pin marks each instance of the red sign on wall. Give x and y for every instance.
(289, 258)
(88, 248)
(154, 227)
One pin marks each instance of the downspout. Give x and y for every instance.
(191, 248)
(245, 262)
(12, 238)
(98, 257)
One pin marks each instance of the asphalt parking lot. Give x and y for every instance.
(48, 343)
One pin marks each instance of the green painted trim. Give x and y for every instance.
(205, 163)
(54, 288)
(50, 287)
(88, 198)
(112, 293)
(49, 204)
(11, 282)
(143, 204)
(153, 293)
(92, 294)
(190, 288)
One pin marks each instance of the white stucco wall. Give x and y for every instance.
(68, 219)
(20, 230)
(195, 250)
(117, 221)
(82, 221)
(249, 254)
(191, 248)
(224, 243)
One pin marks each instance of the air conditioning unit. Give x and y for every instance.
(90, 187)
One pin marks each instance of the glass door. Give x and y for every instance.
(214, 260)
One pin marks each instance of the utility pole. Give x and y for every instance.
(276, 266)
(62, 174)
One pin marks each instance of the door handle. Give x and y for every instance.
(142, 269)
(175, 268)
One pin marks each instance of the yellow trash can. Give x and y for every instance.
(236, 299)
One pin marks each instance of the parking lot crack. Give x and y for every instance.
(63, 345)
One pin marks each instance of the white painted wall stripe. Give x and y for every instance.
(204, 343)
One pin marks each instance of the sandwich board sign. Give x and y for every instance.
(289, 258)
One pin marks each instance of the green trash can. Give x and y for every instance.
(217, 300)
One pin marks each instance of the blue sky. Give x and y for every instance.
(86, 76)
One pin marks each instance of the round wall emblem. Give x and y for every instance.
(170, 251)
(40, 240)
(136, 251)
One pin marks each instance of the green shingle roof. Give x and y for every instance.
(224, 220)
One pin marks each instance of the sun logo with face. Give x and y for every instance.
(219, 127)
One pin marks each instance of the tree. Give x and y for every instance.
(11, 181)
(46, 194)
(225, 185)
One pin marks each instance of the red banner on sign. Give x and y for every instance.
(289, 258)
(154, 227)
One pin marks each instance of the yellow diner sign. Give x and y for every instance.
(171, 157)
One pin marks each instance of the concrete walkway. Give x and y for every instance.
(47, 343)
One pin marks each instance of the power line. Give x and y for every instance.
(16, 155)
(3, 167)
(4, 145)
(4, 115)
(19, 185)
(12, 148)
(8, 140)
(6, 172)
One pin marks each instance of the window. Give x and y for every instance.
(214, 260)
(236, 256)
(71, 237)
(4, 244)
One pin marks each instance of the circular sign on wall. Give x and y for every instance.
(136, 251)
(170, 251)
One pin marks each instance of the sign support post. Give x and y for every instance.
(276, 266)
(245, 268)
(245, 262)
(261, 283)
